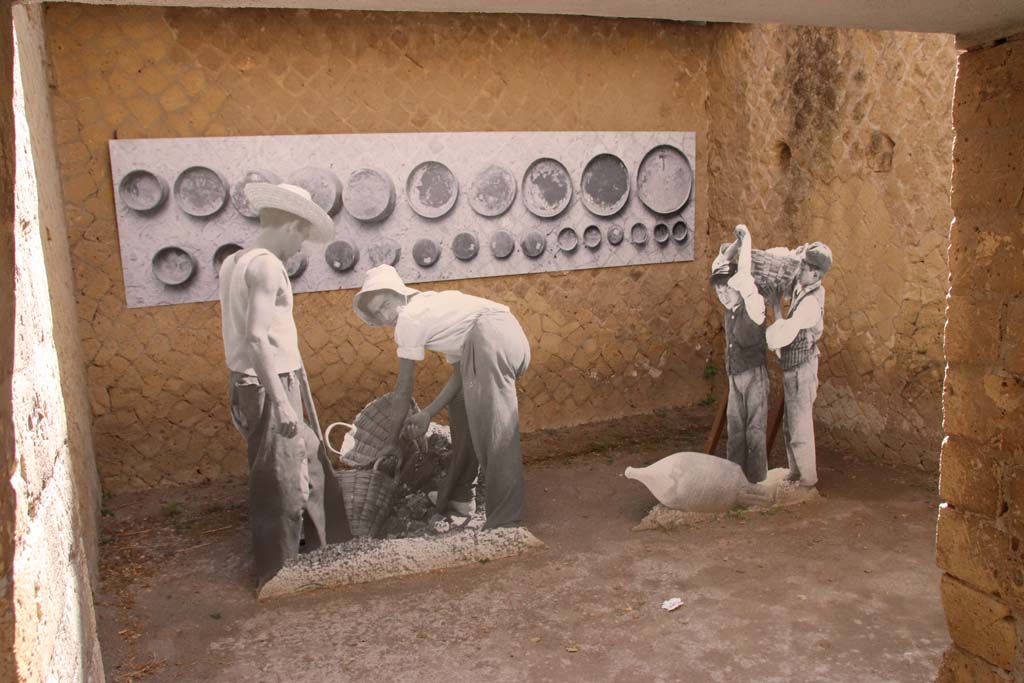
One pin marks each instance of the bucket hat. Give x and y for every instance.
(378, 279)
(818, 255)
(721, 266)
(294, 200)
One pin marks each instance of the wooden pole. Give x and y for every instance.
(716, 427)
(773, 429)
(715, 435)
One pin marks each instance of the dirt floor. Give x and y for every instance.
(840, 589)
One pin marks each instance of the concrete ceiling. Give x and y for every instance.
(973, 21)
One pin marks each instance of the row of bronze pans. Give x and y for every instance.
(174, 266)
(664, 180)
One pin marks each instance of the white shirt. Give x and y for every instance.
(744, 284)
(439, 321)
(807, 314)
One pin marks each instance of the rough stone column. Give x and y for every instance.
(980, 542)
(52, 483)
(7, 458)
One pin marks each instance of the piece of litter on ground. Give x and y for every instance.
(571, 648)
(535, 639)
(671, 604)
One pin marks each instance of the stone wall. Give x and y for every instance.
(981, 524)
(870, 177)
(607, 342)
(8, 668)
(53, 480)
(845, 137)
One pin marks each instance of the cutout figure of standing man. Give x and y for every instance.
(795, 339)
(745, 351)
(291, 486)
(488, 352)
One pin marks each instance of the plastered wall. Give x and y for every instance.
(980, 542)
(53, 479)
(845, 136)
(607, 343)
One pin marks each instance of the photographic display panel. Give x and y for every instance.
(437, 206)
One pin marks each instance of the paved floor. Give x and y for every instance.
(841, 589)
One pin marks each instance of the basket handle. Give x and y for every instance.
(327, 436)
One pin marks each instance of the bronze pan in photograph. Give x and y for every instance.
(173, 266)
(638, 234)
(615, 235)
(425, 252)
(493, 191)
(592, 237)
(604, 187)
(431, 189)
(534, 244)
(200, 191)
(502, 244)
(568, 240)
(369, 195)
(223, 251)
(322, 185)
(385, 252)
(547, 188)
(341, 255)
(238, 198)
(142, 191)
(296, 266)
(465, 246)
(661, 233)
(664, 180)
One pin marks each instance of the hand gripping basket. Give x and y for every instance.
(367, 491)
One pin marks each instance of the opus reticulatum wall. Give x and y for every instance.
(608, 342)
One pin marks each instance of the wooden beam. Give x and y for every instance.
(716, 427)
(774, 422)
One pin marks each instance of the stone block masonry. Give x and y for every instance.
(980, 541)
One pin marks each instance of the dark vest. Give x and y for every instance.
(745, 346)
(805, 346)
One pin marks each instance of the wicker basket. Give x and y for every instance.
(368, 492)
(368, 495)
(774, 275)
(370, 431)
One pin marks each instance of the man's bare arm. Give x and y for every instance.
(732, 252)
(416, 425)
(401, 398)
(264, 279)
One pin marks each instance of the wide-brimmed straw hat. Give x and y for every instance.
(294, 200)
(383, 278)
